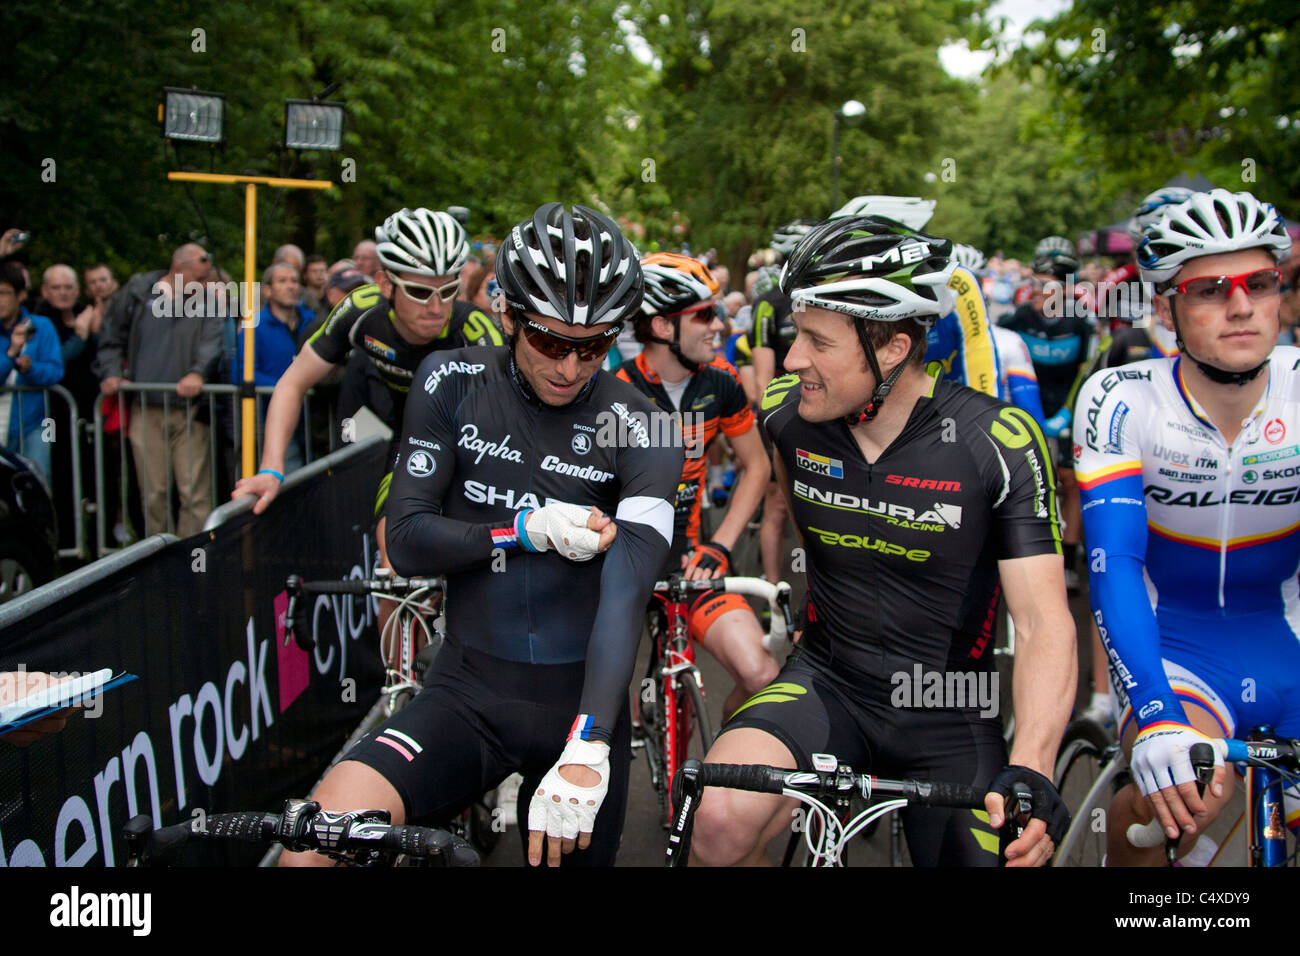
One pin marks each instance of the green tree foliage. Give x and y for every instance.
(1168, 87)
(493, 106)
(747, 94)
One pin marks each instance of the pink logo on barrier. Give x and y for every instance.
(294, 667)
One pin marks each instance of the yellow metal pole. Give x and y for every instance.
(258, 180)
(249, 402)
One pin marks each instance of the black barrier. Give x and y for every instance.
(223, 717)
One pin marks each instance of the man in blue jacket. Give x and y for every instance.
(31, 356)
(279, 327)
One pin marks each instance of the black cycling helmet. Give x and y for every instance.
(572, 266)
(872, 269)
(788, 236)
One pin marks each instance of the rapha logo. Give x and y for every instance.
(469, 439)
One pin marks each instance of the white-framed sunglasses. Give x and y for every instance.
(419, 292)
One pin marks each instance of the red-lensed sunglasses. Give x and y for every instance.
(557, 347)
(1216, 290)
(695, 313)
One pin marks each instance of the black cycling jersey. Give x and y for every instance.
(1058, 348)
(902, 554)
(774, 325)
(476, 448)
(364, 321)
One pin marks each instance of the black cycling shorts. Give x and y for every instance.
(811, 710)
(479, 719)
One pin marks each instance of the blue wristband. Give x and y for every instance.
(521, 532)
(272, 471)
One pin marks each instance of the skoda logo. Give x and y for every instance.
(581, 444)
(1249, 477)
(420, 465)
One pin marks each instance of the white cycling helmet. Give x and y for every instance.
(968, 256)
(1054, 246)
(423, 242)
(910, 211)
(788, 236)
(1152, 208)
(1210, 224)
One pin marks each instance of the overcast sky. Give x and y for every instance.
(960, 61)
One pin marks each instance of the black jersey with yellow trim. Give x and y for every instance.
(902, 553)
(364, 321)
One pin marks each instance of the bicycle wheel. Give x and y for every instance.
(695, 729)
(1089, 772)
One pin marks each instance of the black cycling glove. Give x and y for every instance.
(1047, 803)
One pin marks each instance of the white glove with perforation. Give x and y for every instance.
(1161, 756)
(560, 526)
(564, 809)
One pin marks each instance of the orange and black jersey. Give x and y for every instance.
(713, 401)
(903, 552)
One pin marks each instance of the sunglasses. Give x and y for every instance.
(1217, 290)
(557, 347)
(704, 313)
(418, 292)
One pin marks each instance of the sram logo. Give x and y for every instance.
(907, 481)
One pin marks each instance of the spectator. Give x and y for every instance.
(74, 322)
(313, 283)
(343, 265)
(100, 286)
(31, 356)
(1289, 311)
(366, 256)
(291, 254)
(340, 284)
(276, 340)
(475, 287)
(148, 338)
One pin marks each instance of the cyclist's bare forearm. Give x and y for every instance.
(286, 405)
(1043, 683)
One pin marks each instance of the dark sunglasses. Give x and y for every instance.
(557, 347)
(1216, 290)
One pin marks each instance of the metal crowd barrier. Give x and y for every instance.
(73, 433)
(169, 399)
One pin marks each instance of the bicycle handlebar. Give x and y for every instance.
(301, 826)
(776, 595)
(296, 626)
(841, 781)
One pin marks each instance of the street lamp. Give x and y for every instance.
(851, 110)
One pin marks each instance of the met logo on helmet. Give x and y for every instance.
(904, 253)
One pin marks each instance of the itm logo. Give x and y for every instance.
(77, 909)
(820, 464)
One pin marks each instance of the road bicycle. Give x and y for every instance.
(1267, 767)
(361, 838)
(830, 791)
(671, 722)
(410, 640)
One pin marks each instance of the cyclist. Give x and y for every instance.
(960, 346)
(1017, 382)
(1059, 334)
(503, 453)
(910, 508)
(677, 370)
(1188, 469)
(392, 325)
(774, 331)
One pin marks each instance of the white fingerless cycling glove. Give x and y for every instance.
(560, 526)
(564, 809)
(1161, 756)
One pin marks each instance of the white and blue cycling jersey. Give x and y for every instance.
(1194, 545)
(1018, 383)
